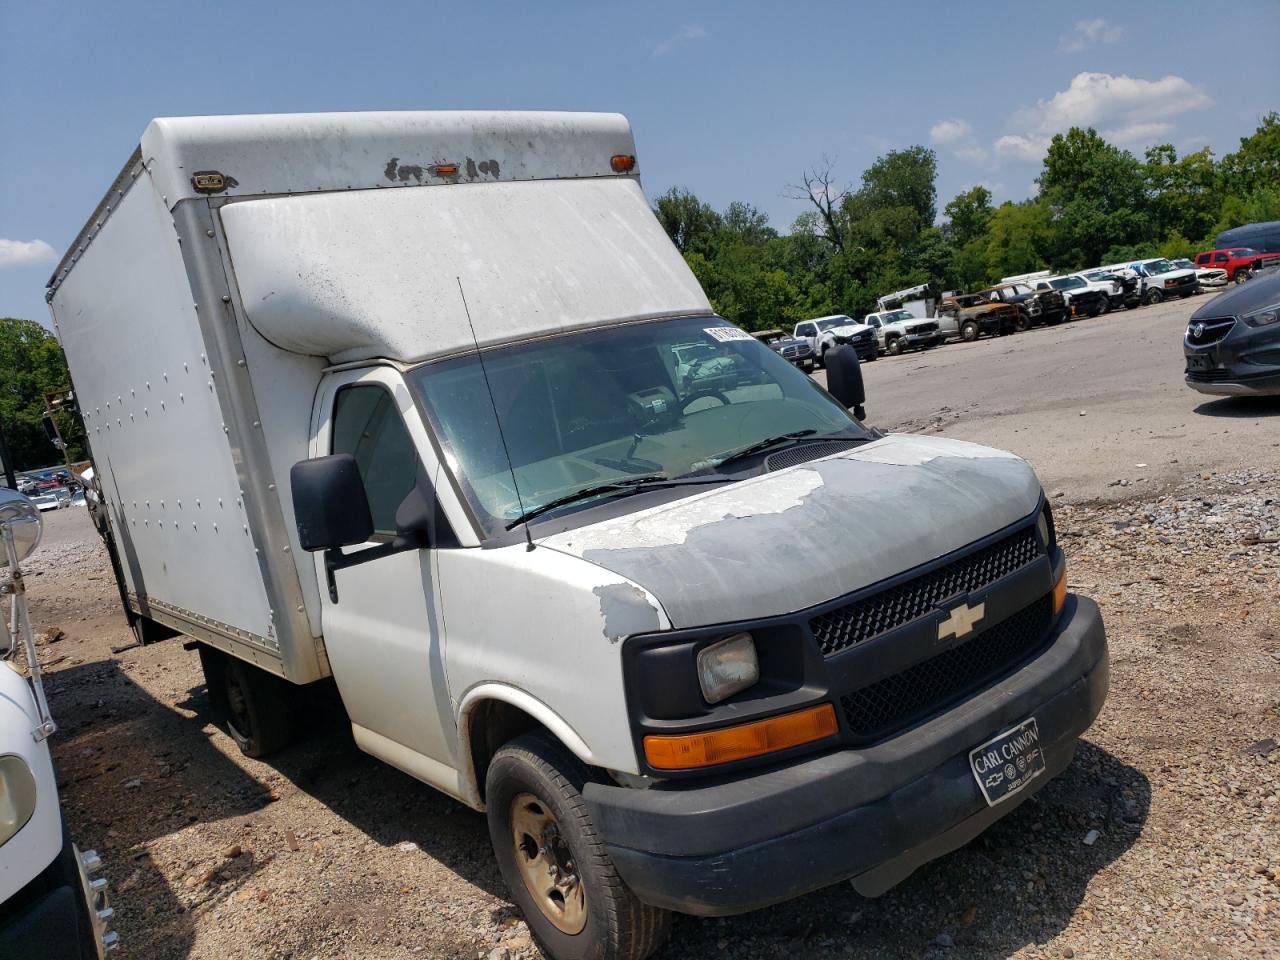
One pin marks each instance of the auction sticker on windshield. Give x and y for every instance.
(725, 334)
(1007, 763)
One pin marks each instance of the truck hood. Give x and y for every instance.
(849, 329)
(788, 540)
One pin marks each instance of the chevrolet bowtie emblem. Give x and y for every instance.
(961, 621)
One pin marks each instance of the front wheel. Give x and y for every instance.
(1104, 307)
(894, 347)
(554, 863)
(1154, 297)
(1242, 275)
(969, 332)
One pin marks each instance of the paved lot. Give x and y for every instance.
(1161, 840)
(1086, 402)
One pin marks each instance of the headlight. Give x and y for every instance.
(728, 667)
(1264, 317)
(1044, 526)
(17, 796)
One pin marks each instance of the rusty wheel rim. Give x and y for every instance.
(547, 865)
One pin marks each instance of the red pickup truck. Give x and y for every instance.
(1239, 262)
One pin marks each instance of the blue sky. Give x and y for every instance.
(732, 100)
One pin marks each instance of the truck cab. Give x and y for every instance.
(465, 435)
(899, 330)
(1159, 279)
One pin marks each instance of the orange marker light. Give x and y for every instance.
(693, 750)
(445, 169)
(1060, 592)
(622, 162)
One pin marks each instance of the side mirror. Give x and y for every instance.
(844, 379)
(330, 505)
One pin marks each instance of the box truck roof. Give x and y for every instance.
(538, 217)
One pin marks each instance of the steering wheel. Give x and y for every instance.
(700, 395)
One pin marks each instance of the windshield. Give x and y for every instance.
(1066, 283)
(830, 322)
(667, 398)
(1244, 252)
(1019, 288)
(897, 316)
(1158, 266)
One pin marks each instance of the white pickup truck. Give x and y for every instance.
(826, 333)
(672, 633)
(899, 330)
(52, 902)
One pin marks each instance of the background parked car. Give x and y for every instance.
(1205, 276)
(899, 330)
(791, 348)
(970, 315)
(1232, 344)
(1158, 279)
(1080, 298)
(1263, 237)
(1239, 262)
(1034, 306)
(1112, 285)
(823, 333)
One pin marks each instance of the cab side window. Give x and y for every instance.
(1220, 258)
(807, 330)
(1203, 259)
(367, 425)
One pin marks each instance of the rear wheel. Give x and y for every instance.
(969, 331)
(554, 863)
(256, 706)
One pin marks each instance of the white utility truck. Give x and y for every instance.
(429, 403)
(53, 906)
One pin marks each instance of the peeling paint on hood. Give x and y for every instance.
(785, 541)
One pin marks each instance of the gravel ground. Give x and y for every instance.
(1161, 840)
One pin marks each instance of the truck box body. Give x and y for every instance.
(197, 396)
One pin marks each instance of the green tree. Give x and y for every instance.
(968, 215)
(1256, 165)
(1016, 238)
(31, 362)
(1182, 194)
(690, 223)
(1096, 197)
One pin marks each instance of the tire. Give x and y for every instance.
(256, 707)
(533, 782)
(969, 331)
(893, 346)
(1022, 324)
(1242, 275)
(1153, 297)
(1104, 307)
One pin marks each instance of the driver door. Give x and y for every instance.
(384, 634)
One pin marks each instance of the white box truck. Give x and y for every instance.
(430, 404)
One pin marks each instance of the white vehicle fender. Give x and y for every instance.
(522, 701)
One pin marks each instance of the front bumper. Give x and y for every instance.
(61, 915)
(1245, 362)
(865, 349)
(872, 814)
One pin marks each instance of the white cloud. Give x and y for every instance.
(972, 152)
(25, 253)
(1127, 110)
(1095, 99)
(685, 35)
(1139, 134)
(949, 131)
(1016, 147)
(1089, 33)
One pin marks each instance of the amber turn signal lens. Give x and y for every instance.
(622, 162)
(1060, 592)
(445, 169)
(689, 751)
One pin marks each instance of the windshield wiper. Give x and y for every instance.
(619, 488)
(731, 455)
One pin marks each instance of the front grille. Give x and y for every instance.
(932, 685)
(1209, 376)
(871, 616)
(803, 453)
(790, 351)
(1210, 331)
